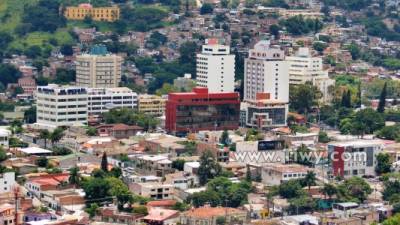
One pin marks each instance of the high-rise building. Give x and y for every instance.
(61, 106)
(266, 71)
(202, 110)
(98, 69)
(304, 67)
(215, 67)
(101, 100)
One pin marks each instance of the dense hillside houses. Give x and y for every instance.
(223, 112)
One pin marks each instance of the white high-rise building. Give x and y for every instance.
(101, 100)
(304, 67)
(266, 71)
(61, 106)
(216, 67)
(98, 69)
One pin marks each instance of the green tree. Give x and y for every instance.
(366, 121)
(44, 135)
(3, 154)
(289, 189)
(274, 30)
(67, 50)
(319, 46)
(104, 162)
(220, 220)
(92, 210)
(116, 172)
(224, 139)
(389, 132)
(354, 51)
(56, 135)
(180, 206)
(354, 189)
(91, 131)
(74, 176)
(42, 161)
(30, 115)
(178, 164)
(303, 97)
(394, 220)
(382, 99)
(383, 163)
(209, 167)
(329, 190)
(346, 99)
(323, 137)
(248, 173)
(310, 179)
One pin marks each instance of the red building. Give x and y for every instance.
(201, 110)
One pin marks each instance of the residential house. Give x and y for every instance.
(44, 182)
(158, 165)
(182, 180)
(118, 131)
(154, 190)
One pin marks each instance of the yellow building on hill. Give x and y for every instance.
(82, 11)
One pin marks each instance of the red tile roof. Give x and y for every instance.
(162, 203)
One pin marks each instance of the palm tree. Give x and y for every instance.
(45, 135)
(309, 179)
(15, 126)
(74, 177)
(330, 190)
(56, 135)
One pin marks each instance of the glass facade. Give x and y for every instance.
(203, 117)
(276, 116)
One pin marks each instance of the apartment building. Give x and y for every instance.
(154, 190)
(7, 182)
(151, 104)
(354, 158)
(101, 100)
(215, 67)
(303, 67)
(82, 11)
(276, 173)
(263, 113)
(98, 69)
(266, 71)
(61, 106)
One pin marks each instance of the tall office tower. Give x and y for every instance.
(304, 67)
(61, 106)
(216, 67)
(98, 69)
(266, 71)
